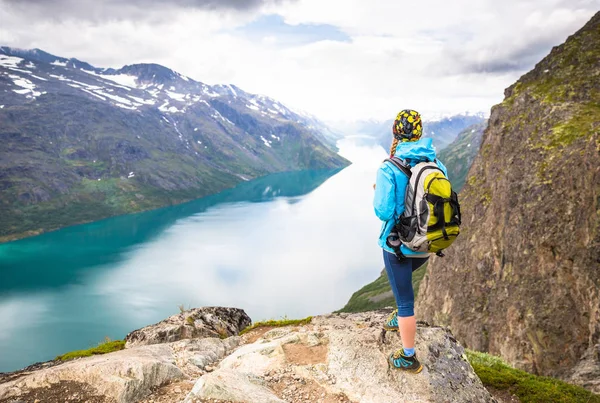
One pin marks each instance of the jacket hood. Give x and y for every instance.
(421, 150)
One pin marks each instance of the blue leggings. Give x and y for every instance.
(400, 276)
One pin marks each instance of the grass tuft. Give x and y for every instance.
(107, 346)
(529, 388)
(278, 323)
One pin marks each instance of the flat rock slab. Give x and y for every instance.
(124, 376)
(342, 358)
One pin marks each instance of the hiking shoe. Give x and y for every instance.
(398, 360)
(391, 323)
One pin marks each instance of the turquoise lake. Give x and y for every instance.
(291, 244)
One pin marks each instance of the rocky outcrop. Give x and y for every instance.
(523, 279)
(587, 372)
(342, 358)
(192, 324)
(336, 358)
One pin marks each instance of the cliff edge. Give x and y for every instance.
(334, 358)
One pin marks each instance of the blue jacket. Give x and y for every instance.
(391, 187)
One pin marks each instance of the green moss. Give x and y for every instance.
(474, 181)
(105, 347)
(582, 125)
(278, 323)
(486, 197)
(515, 93)
(529, 388)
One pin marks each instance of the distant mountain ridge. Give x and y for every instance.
(82, 143)
(140, 80)
(443, 130)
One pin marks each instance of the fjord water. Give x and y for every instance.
(292, 244)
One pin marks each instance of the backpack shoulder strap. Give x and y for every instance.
(401, 165)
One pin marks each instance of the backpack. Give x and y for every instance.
(431, 218)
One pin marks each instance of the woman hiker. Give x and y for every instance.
(388, 202)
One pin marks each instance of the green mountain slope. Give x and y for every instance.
(459, 155)
(378, 294)
(79, 145)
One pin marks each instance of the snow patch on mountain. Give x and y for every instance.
(125, 80)
(208, 92)
(115, 97)
(9, 61)
(171, 109)
(28, 86)
(142, 100)
(217, 115)
(176, 96)
(133, 108)
(94, 94)
(267, 142)
(38, 78)
(232, 91)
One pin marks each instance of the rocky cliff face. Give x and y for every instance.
(523, 279)
(81, 143)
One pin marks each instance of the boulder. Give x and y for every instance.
(233, 386)
(192, 324)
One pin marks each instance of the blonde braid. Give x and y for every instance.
(393, 148)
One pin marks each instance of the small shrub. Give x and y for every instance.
(190, 320)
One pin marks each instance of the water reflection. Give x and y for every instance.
(293, 244)
(56, 259)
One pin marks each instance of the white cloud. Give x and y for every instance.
(436, 56)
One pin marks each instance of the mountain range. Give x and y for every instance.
(442, 130)
(82, 143)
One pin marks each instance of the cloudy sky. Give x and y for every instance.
(338, 59)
